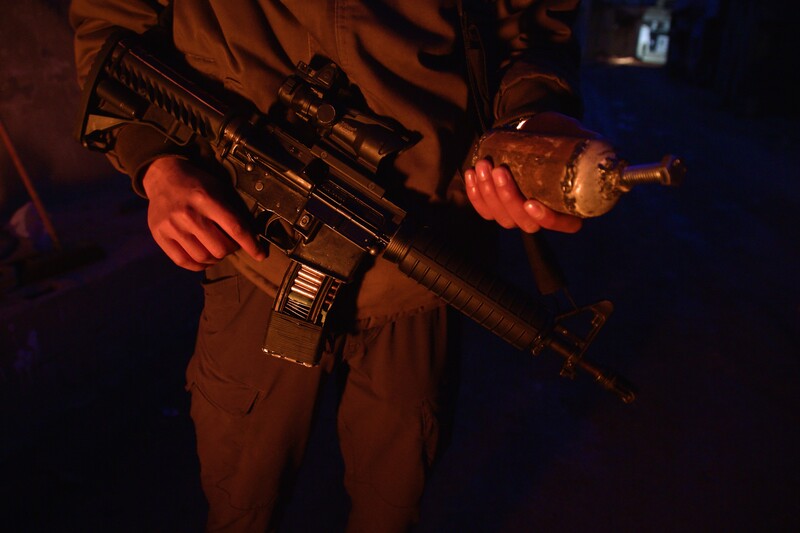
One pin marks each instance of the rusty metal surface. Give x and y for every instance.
(565, 173)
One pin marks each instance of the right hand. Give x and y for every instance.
(494, 193)
(193, 215)
(495, 196)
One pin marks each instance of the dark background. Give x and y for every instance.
(94, 428)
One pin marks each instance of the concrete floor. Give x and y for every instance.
(96, 435)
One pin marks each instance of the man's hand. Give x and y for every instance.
(192, 215)
(495, 196)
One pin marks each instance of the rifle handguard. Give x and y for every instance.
(502, 309)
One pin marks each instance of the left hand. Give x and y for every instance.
(495, 196)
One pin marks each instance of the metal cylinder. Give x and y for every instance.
(572, 175)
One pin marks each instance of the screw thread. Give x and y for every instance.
(670, 171)
(637, 175)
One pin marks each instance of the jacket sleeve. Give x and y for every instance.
(93, 21)
(538, 59)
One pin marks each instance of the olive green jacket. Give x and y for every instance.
(406, 57)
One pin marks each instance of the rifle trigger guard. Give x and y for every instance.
(274, 229)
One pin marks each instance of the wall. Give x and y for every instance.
(743, 50)
(39, 100)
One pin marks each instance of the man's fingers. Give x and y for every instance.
(238, 231)
(179, 256)
(495, 196)
(194, 216)
(552, 220)
(513, 201)
(474, 194)
(488, 191)
(190, 248)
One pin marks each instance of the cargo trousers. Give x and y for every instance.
(253, 413)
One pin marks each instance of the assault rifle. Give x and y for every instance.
(310, 182)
